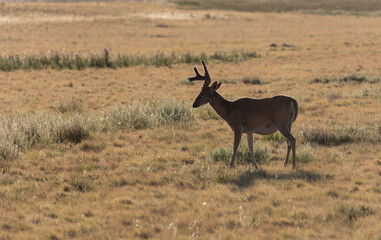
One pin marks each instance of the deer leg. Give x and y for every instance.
(293, 153)
(237, 139)
(288, 152)
(250, 141)
(291, 141)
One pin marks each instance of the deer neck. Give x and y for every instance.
(220, 105)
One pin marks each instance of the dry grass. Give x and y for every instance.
(118, 153)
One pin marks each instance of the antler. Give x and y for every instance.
(198, 76)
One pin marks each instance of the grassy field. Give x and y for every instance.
(92, 147)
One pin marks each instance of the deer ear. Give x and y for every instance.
(216, 85)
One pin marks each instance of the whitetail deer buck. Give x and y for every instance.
(246, 115)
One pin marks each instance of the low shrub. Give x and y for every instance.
(132, 116)
(140, 116)
(171, 112)
(337, 135)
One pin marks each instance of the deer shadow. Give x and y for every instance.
(248, 177)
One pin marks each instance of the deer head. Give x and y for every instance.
(206, 94)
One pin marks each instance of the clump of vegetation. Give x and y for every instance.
(93, 146)
(73, 105)
(228, 81)
(323, 80)
(338, 135)
(82, 183)
(104, 59)
(333, 194)
(73, 129)
(304, 154)
(325, 136)
(276, 137)
(353, 213)
(172, 112)
(8, 150)
(140, 116)
(132, 116)
(19, 132)
(252, 81)
(353, 78)
(224, 154)
(203, 172)
(208, 113)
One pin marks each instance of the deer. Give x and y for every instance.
(247, 115)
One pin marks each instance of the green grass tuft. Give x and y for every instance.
(276, 137)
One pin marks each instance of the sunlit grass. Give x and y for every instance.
(71, 124)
